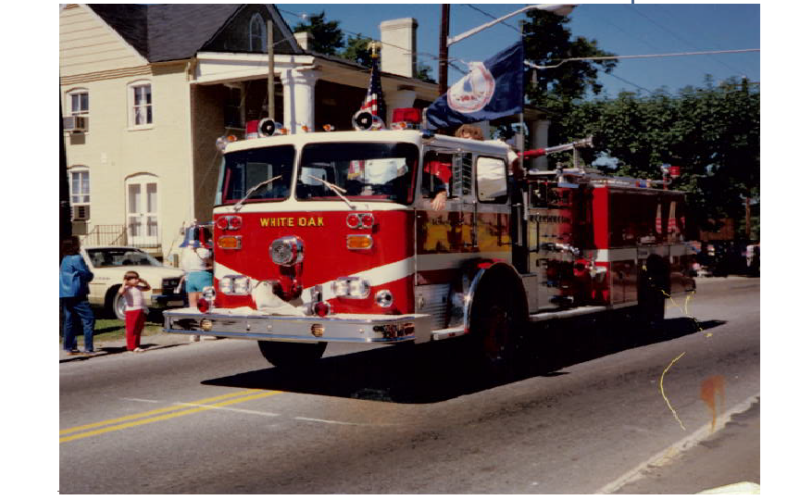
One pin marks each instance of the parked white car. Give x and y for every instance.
(110, 263)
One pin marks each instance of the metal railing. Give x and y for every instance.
(119, 234)
(106, 234)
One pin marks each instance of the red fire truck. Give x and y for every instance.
(332, 237)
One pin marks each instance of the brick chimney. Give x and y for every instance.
(399, 50)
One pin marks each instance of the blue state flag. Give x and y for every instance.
(492, 89)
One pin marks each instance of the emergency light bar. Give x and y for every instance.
(406, 118)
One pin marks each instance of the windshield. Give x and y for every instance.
(244, 170)
(114, 257)
(361, 171)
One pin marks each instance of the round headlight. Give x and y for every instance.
(286, 251)
(384, 298)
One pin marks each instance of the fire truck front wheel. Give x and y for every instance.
(288, 355)
(498, 324)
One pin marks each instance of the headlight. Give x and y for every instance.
(241, 285)
(226, 285)
(235, 285)
(352, 288)
(286, 251)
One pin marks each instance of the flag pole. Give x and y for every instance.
(521, 135)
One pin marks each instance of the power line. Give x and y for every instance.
(699, 31)
(516, 30)
(677, 37)
(642, 56)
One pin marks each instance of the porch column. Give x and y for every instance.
(398, 99)
(298, 98)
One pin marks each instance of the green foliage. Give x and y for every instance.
(326, 36)
(711, 132)
(547, 41)
(358, 50)
(424, 73)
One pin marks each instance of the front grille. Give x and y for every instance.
(168, 285)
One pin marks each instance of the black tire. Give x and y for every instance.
(497, 324)
(288, 355)
(653, 292)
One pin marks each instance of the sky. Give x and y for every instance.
(622, 29)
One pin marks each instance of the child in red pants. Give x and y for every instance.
(135, 311)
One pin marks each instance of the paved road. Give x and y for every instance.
(588, 415)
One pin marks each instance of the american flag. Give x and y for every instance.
(374, 102)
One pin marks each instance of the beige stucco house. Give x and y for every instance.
(147, 89)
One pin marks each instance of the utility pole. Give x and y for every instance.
(271, 78)
(444, 33)
(64, 216)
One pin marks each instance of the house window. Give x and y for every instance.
(79, 193)
(258, 34)
(141, 99)
(79, 102)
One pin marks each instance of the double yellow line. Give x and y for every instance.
(149, 417)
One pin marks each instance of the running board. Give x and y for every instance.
(578, 311)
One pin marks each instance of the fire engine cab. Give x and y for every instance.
(333, 237)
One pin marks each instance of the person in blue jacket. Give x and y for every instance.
(73, 292)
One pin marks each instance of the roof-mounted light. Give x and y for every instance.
(406, 118)
(251, 130)
(223, 142)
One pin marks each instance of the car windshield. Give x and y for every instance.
(359, 171)
(116, 257)
(245, 170)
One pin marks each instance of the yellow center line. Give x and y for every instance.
(251, 395)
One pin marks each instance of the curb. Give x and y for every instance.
(149, 343)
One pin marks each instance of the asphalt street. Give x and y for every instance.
(600, 407)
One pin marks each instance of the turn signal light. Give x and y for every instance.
(359, 242)
(229, 242)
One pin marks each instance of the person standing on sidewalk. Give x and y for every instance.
(135, 311)
(74, 291)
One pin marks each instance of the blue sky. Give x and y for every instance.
(623, 29)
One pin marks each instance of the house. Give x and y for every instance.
(147, 89)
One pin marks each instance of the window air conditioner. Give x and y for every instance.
(76, 124)
(80, 213)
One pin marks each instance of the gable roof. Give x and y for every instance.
(169, 32)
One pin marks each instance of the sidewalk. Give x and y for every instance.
(728, 459)
(106, 347)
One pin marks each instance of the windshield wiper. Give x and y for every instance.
(261, 184)
(336, 189)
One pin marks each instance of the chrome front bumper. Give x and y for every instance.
(347, 328)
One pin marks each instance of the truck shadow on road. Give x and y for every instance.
(432, 373)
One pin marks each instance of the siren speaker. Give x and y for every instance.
(268, 127)
(364, 120)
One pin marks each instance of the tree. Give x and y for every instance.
(423, 72)
(326, 36)
(358, 50)
(711, 132)
(547, 41)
